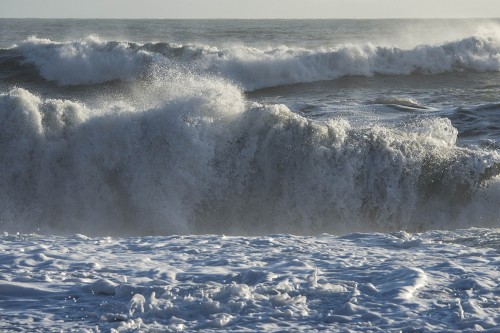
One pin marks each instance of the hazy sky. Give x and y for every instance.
(249, 8)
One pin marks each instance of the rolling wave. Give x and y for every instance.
(91, 61)
(199, 158)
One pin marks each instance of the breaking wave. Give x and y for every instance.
(91, 60)
(199, 158)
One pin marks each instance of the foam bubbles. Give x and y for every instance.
(190, 155)
(70, 168)
(359, 282)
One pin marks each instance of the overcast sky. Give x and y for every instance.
(249, 8)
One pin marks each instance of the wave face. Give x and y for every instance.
(86, 62)
(194, 156)
(91, 61)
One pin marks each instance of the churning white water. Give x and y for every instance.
(125, 159)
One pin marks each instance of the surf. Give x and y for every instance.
(91, 61)
(194, 156)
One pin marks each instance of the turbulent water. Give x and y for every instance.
(249, 128)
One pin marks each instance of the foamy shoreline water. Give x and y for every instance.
(358, 282)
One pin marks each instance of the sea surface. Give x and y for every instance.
(250, 175)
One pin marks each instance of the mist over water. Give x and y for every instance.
(249, 128)
(403, 33)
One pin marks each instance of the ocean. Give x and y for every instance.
(250, 175)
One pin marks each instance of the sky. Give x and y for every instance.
(250, 8)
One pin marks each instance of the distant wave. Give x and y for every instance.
(92, 61)
(195, 157)
(85, 62)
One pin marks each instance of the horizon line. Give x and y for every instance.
(250, 18)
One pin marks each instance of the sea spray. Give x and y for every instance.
(87, 61)
(199, 158)
(291, 174)
(91, 60)
(120, 169)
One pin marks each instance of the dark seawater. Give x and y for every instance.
(147, 127)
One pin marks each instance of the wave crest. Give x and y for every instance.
(202, 159)
(88, 61)
(93, 61)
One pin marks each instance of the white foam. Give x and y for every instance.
(73, 160)
(256, 68)
(402, 284)
(85, 62)
(193, 157)
(93, 61)
(360, 282)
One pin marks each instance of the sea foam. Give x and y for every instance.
(196, 157)
(94, 61)
(85, 62)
